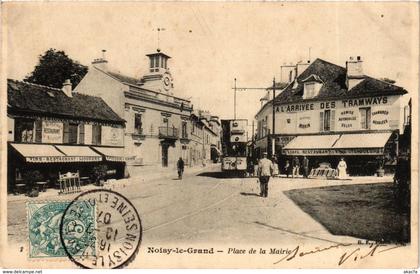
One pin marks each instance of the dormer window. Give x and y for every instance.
(311, 86)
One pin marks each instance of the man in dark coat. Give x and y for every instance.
(180, 166)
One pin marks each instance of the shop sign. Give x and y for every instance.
(304, 122)
(383, 100)
(112, 136)
(347, 118)
(52, 132)
(62, 159)
(380, 117)
(338, 152)
(347, 103)
(284, 140)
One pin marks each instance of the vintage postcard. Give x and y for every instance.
(209, 135)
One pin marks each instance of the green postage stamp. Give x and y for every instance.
(47, 230)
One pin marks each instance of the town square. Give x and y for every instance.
(233, 130)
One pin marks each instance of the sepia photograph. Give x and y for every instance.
(209, 135)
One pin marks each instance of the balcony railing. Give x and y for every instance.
(138, 134)
(168, 132)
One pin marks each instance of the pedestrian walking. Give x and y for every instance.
(342, 169)
(180, 167)
(265, 169)
(287, 169)
(296, 166)
(305, 167)
(275, 167)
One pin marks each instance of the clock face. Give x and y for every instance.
(166, 82)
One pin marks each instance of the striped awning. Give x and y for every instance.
(80, 153)
(40, 153)
(343, 144)
(113, 154)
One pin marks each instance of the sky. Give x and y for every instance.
(213, 43)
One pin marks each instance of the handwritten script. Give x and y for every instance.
(358, 253)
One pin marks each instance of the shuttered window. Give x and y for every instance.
(38, 131)
(321, 121)
(65, 133)
(332, 127)
(365, 118)
(73, 133)
(81, 133)
(327, 120)
(96, 135)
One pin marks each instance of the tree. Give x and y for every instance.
(54, 68)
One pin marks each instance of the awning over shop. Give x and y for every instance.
(80, 153)
(114, 154)
(363, 140)
(310, 145)
(34, 153)
(344, 144)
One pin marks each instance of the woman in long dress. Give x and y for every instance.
(342, 169)
(275, 167)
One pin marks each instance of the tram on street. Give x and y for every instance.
(234, 146)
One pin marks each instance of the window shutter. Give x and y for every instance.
(38, 131)
(66, 133)
(81, 133)
(96, 134)
(321, 121)
(368, 114)
(332, 124)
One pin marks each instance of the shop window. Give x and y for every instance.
(24, 130)
(96, 134)
(365, 118)
(138, 124)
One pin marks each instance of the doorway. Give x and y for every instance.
(165, 155)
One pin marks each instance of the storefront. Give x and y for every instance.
(363, 152)
(58, 132)
(325, 114)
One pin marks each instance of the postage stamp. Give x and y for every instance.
(44, 220)
(117, 230)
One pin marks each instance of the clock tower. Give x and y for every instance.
(159, 77)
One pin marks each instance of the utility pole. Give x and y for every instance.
(273, 143)
(273, 149)
(234, 102)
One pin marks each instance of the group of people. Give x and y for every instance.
(268, 168)
(292, 169)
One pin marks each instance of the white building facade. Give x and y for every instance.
(328, 112)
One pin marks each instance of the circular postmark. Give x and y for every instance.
(101, 229)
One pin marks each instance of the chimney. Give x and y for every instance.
(301, 66)
(101, 63)
(67, 88)
(354, 72)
